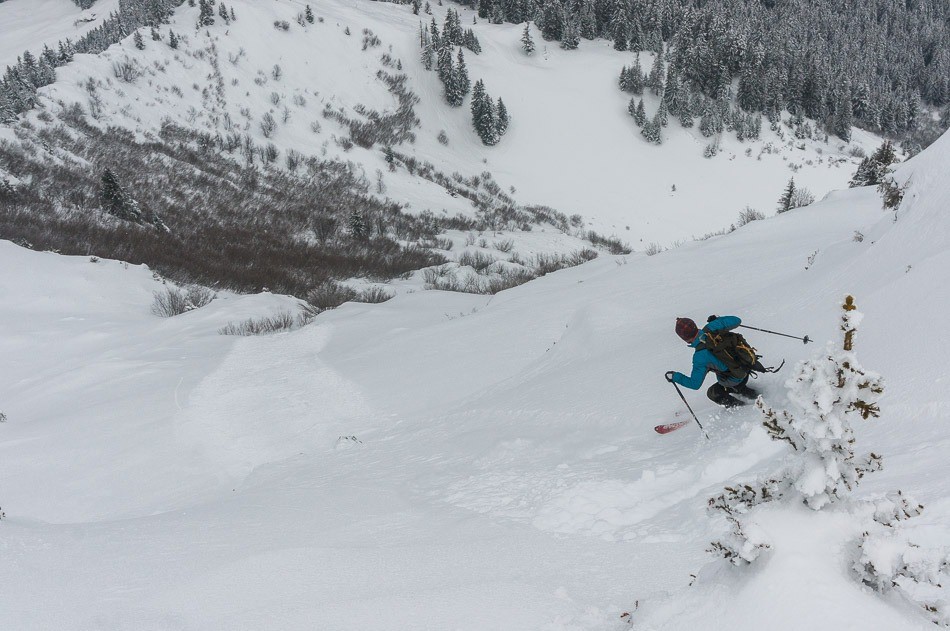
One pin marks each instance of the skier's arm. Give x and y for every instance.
(696, 378)
(725, 323)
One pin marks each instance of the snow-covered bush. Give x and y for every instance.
(743, 545)
(828, 391)
(887, 560)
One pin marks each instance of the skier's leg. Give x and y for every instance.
(718, 394)
(743, 390)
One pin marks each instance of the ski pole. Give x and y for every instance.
(803, 339)
(679, 392)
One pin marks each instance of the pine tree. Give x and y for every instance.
(502, 117)
(662, 115)
(471, 42)
(640, 115)
(452, 29)
(172, 39)
(651, 131)
(483, 115)
(572, 36)
(444, 64)
(357, 224)
(114, 199)
(458, 84)
(620, 27)
(874, 169)
(138, 41)
(428, 54)
(785, 201)
(552, 20)
(527, 44)
(588, 20)
(223, 13)
(205, 13)
(485, 8)
(655, 80)
(308, 14)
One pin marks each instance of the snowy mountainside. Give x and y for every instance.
(29, 24)
(452, 461)
(571, 145)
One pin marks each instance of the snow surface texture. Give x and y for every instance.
(447, 461)
(571, 144)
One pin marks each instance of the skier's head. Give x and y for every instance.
(686, 329)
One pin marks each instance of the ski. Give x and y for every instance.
(670, 427)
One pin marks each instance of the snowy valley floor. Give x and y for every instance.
(449, 461)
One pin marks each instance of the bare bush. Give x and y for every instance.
(749, 215)
(505, 245)
(653, 249)
(268, 125)
(802, 197)
(374, 295)
(329, 295)
(126, 70)
(476, 260)
(174, 301)
(613, 244)
(281, 321)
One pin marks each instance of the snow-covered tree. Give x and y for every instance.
(827, 392)
(572, 36)
(205, 13)
(874, 169)
(785, 201)
(502, 118)
(527, 44)
(138, 41)
(483, 115)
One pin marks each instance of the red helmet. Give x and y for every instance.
(686, 329)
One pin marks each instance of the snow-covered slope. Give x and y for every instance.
(571, 144)
(448, 461)
(29, 24)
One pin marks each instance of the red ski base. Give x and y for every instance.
(670, 427)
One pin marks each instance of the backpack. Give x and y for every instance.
(734, 351)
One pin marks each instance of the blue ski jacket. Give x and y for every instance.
(704, 361)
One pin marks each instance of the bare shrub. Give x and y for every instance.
(126, 70)
(504, 246)
(329, 295)
(268, 125)
(653, 249)
(801, 197)
(476, 260)
(281, 321)
(173, 301)
(374, 295)
(613, 244)
(749, 215)
(443, 137)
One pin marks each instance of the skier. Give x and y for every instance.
(732, 362)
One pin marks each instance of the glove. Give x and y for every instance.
(669, 376)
